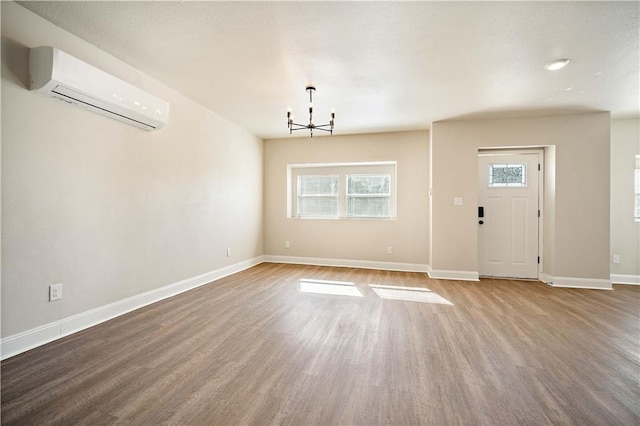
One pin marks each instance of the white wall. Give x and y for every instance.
(577, 246)
(361, 242)
(625, 232)
(106, 209)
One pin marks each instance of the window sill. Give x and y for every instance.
(344, 218)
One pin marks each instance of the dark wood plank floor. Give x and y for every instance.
(254, 349)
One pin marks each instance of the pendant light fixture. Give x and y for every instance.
(311, 126)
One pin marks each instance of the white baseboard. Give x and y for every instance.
(572, 282)
(453, 275)
(546, 278)
(625, 279)
(21, 342)
(349, 263)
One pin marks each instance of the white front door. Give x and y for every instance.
(508, 214)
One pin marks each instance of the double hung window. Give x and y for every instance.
(317, 195)
(342, 190)
(369, 195)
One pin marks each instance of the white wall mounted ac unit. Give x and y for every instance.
(55, 73)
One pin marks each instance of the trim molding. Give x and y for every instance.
(38, 336)
(22, 342)
(545, 278)
(454, 275)
(573, 282)
(625, 279)
(349, 263)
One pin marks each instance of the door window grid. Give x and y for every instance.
(507, 175)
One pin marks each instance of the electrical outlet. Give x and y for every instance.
(616, 259)
(228, 252)
(55, 292)
(389, 250)
(287, 244)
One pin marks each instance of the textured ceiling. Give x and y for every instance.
(382, 66)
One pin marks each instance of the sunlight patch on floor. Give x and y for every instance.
(409, 294)
(338, 288)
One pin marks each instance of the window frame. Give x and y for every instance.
(342, 169)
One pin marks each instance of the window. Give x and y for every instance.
(507, 175)
(342, 190)
(317, 196)
(637, 190)
(368, 195)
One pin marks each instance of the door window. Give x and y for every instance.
(507, 175)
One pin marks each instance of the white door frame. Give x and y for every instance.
(541, 190)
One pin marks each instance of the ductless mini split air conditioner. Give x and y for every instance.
(55, 73)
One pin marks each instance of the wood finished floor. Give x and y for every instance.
(253, 348)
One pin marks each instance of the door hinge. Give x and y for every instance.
(538, 259)
(538, 166)
(538, 213)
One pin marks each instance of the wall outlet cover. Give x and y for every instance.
(55, 292)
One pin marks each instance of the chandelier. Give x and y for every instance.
(295, 126)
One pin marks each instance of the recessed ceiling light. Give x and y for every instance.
(557, 64)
